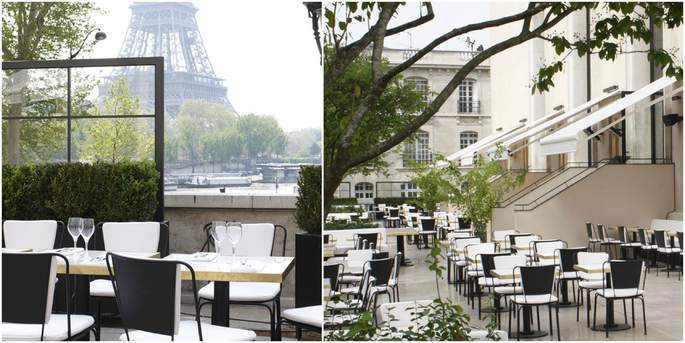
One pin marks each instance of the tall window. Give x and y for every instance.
(421, 85)
(418, 150)
(363, 190)
(467, 138)
(409, 190)
(466, 101)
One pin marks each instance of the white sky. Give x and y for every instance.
(268, 58)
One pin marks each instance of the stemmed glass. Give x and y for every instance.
(219, 232)
(75, 226)
(87, 232)
(235, 232)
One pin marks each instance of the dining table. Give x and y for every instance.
(222, 270)
(610, 324)
(400, 234)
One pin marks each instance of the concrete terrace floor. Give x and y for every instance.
(663, 300)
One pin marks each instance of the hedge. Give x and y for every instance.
(397, 201)
(105, 192)
(344, 201)
(348, 226)
(308, 213)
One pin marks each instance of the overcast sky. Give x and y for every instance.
(268, 58)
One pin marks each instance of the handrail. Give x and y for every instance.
(508, 201)
(594, 167)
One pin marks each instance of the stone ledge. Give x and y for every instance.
(286, 202)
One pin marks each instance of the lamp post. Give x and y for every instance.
(314, 10)
(98, 37)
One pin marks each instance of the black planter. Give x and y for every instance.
(307, 269)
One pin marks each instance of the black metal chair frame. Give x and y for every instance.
(669, 255)
(423, 236)
(488, 263)
(520, 307)
(631, 297)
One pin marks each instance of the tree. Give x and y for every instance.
(222, 146)
(301, 143)
(262, 135)
(37, 31)
(352, 148)
(118, 139)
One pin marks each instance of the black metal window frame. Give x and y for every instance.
(156, 62)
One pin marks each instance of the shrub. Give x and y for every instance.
(344, 201)
(348, 226)
(106, 192)
(397, 201)
(308, 213)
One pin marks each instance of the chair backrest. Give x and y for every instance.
(326, 239)
(592, 258)
(548, 247)
(464, 222)
(512, 237)
(37, 235)
(680, 239)
(642, 235)
(501, 235)
(156, 307)
(332, 272)
(28, 284)
(537, 280)
(601, 232)
(381, 270)
(660, 238)
(488, 262)
(381, 207)
(568, 257)
(626, 274)
(461, 243)
(509, 262)
(370, 238)
(472, 250)
(257, 240)
(131, 236)
(394, 213)
(378, 255)
(358, 257)
(403, 314)
(427, 224)
(524, 241)
(623, 234)
(589, 232)
(452, 235)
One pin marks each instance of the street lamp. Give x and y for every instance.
(98, 37)
(314, 9)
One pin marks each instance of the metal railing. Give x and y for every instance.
(530, 188)
(472, 106)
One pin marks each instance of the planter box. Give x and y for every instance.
(307, 269)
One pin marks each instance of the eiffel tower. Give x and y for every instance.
(169, 29)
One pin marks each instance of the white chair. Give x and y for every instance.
(37, 235)
(27, 306)
(474, 270)
(547, 248)
(507, 263)
(457, 258)
(523, 244)
(503, 236)
(256, 240)
(137, 237)
(591, 281)
(308, 318)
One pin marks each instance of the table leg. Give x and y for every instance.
(527, 332)
(400, 248)
(565, 302)
(81, 294)
(610, 325)
(220, 308)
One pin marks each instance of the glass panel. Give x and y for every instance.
(34, 92)
(34, 141)
(113, 90)
(112, 139)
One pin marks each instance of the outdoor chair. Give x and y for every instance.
(607, 243)
(257, 240)
(500, 236)
(366, 240)
(427, 230)
(333, 272)
(507, 262)
(123, 237)
(381, 270)
(524, 245)
(590, 282)
(592, 239)
(666, 250)
(148, 294)
(307, 318)
(487, 281)
(547, 248)
(28, 291)
(537, 284)
(512, 240)
(457, 259)
(566, 258)
(37, 235)
(355, 259)
(393, 218)
(344, 312)
(394, 283)
(627, 282)
(626, 243)
(474, 268)
(647, 249)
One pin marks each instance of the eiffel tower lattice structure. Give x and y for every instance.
(169, 29)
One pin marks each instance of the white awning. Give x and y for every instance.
(566, 139)
(539, 128)
(467, 153)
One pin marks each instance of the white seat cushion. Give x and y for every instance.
(534, 299)
(569, 275)
(310, 315)
(669, 250)
(187, 331)
(349, 290)
(343, 305)
(55, 329)
(101, 288)
(491, 281)
(507, 290)
(350, 279)
(619, 293)
(473, 273)
(595, 284)
(245, 291)
(634, 244)
(648, 247)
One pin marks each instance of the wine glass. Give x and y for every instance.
(75, 226)
(235, 232)
(218, 232)
(87, 232)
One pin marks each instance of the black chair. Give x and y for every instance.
(326, 239)
(148, 294)
(625, 284)
(28, 281)
(379, 255)
(680, 260)
(568, 257)
(627, 244)
(512, 240)
(664, 249)
(394, 282)
(592, 239)
(537, 283)
(332, 272)
(464, 223)
(381, 271)
(488, 281)
(647, 249)
(366, 240)
(427, 229)
(393, 218)
(607, 242)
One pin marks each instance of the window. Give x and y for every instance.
(409, 190)
(466, 101)
(421, 85)
(467, 138)
(343, 190)
(363, 190)
(418, 150)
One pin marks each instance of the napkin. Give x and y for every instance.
(202, 257)
(68, 251)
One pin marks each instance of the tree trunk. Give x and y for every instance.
(332, 179)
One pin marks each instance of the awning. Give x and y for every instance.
(466, 154)
(566, 139)
(540, 128)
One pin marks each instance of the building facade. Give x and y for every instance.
(462, 120)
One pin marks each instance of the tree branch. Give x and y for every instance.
(431, 109)
(387, 10)
(414, 23)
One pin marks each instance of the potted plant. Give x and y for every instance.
(308, 244)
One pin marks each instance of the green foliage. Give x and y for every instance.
(346, 209)
(434, 189)
(262, 135)
(195, 121)
(344, 201)
(397, 201)
(620, 24)
(120, 139)
(308, 213)
(349, 226)
(304, 143)
(106, 192)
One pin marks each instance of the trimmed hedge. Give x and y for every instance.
(308, 213)
(397, 201)
(348, 226)
(344, 201)
(102, 191)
